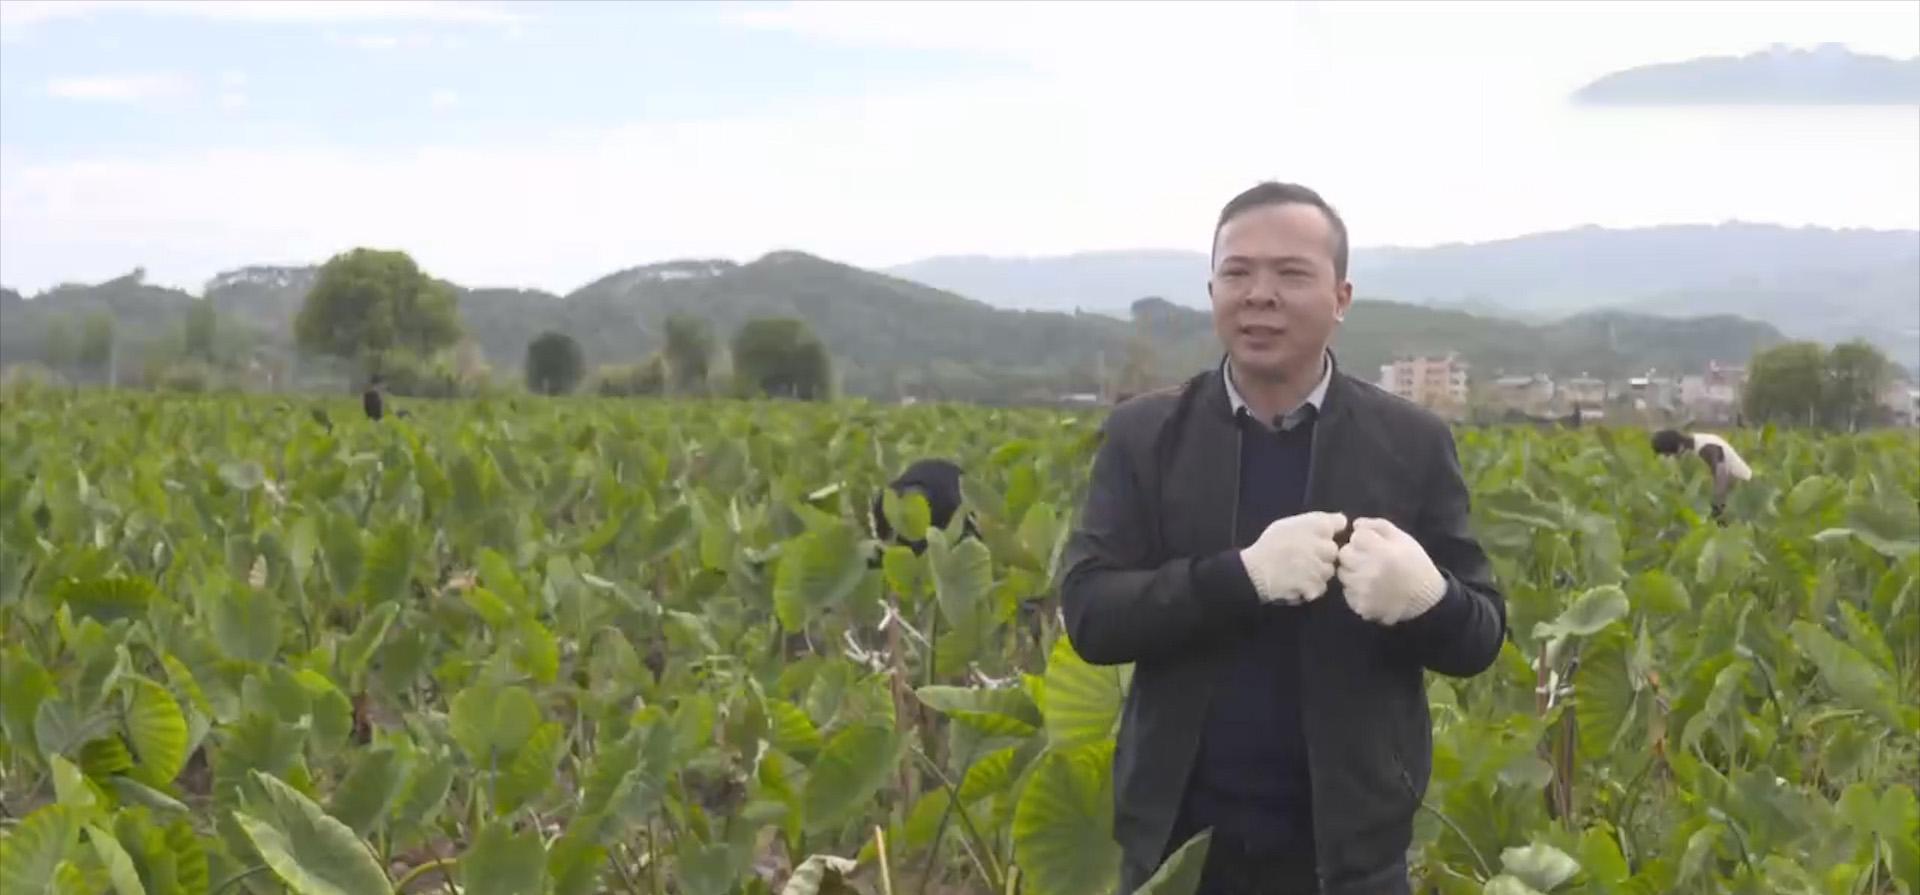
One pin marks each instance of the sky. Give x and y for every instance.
(544, 145)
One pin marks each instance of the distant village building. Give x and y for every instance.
(1902, 402)
(1654, 394)
(1584, 391)
(1713, 396)
(1438, 383)
(1530, 394)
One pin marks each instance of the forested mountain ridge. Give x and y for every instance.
(889, 336)
(1808, 282)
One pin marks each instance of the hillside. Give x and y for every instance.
(1789, 277)
(1828, 75)
(1611, 344)
(893, 337)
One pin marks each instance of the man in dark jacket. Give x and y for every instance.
(1282, 552)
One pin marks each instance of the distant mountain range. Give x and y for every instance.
(1828, 75)
(1808, 282)
(890, 336)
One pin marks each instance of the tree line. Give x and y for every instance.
(379, 312)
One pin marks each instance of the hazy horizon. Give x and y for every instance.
(545, 145)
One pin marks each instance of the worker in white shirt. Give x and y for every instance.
(1722, 460)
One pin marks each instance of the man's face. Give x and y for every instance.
(1276, 299)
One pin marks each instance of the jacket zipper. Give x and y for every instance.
(1300, 656)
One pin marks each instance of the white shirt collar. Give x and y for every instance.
(1293, 417)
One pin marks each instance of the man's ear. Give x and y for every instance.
(1342, 300)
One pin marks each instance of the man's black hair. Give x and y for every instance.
(1670, 441)
(1274, 193)
(938, 480)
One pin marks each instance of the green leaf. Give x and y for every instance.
(1890, 525)
(27, 686)
(991, 775)
(132, 792)
(60, 728)
(1539, 865)
(120, 869)
(1724, 559)
(1603, 695)
(309, 851)
(425, 791)
(502, 862)
(666, 533)
(534, 768)
(373, 784)
(106, 600)
(340, 545)
(1657, 592)
(243, 475)
(389, 565)
(1507, 884)
(1180, 875)
(189, 854)
(1063, 824)
(1591, 613)
(574, 865)
(1600, 857)
(358, 649)
(31, 853)
(497, 574)
(71, 788)
(1726, 689)
(492, 723)
(159, 732)
(245, 623)
(996, 712)
(1082, 701)
(855, 764)
(1851, 677)
(962, 578)
(907, 514)
(816, 570)
(792, 731)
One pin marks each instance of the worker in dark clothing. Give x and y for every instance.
(937, 480)
(371, 399)
(1282, 553)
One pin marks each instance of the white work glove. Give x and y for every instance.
(1386, 575)
(1293, 560)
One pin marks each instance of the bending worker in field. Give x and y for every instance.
(1282, 551)
(1723, 462)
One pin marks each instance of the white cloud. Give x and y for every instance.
(233, 77)
(117, 88)
(1123, 128)
(233, 100)
(411, 41)
(16, 16)
(445, 99)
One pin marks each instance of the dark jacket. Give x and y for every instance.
(1151, 577)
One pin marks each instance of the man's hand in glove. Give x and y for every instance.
(1294, 559)
(1386, 575)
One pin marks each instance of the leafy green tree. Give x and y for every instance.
(781, 357)
(1856, 374)
(689, 352)
(61, 346)
(1785, 384)
(368, 302)
(554, 364)
(96, 343)
(201, 328)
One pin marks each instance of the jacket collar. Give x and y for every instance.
(1294, 416)
(1335, 391)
